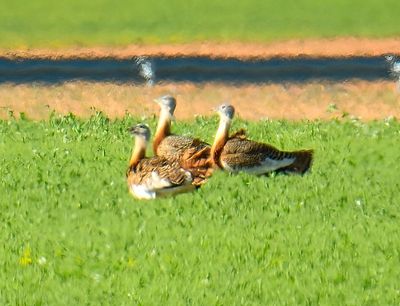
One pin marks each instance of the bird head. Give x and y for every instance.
(390, 58)
(141, 130)
(226, 111)
(167, 103)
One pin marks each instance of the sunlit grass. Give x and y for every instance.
(47, 23)
(71, 233)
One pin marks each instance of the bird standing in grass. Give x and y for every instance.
(237, 153)
(189, 152)
(149, 178)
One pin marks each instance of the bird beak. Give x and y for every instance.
(131, 130)
(157, 101)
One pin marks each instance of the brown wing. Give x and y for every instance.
(241, 134)
(164, 169)
(198, 163)
(191, 154)
(175, 147)
(241, 152)
(195, 157)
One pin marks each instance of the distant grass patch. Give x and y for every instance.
(46, 23)
(71, 233)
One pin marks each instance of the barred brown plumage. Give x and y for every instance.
(153, 177)
(237, 153)
(165, 170)
(190, 153)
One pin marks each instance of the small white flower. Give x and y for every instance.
(205, 281)
(42, 260)
(358, 202)
(96, 277)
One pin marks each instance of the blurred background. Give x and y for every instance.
(295, 59)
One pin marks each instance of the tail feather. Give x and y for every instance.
(200, 159)
(200, 175)
(301, 164)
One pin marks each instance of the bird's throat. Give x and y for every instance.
(138, 153)
(221, 138)
(163, 129)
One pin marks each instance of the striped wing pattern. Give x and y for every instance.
(157, 172)
(175, 147)
(241, 153)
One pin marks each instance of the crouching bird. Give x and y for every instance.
(149, 178)
(189, 152)
(237, 153)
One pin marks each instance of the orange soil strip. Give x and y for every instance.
(310, 47)
(365, 100)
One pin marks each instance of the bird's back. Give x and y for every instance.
(175, 147)
(145, 171)
(242, 154)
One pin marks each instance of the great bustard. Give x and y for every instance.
(188, 151)
(394, 68)
(153, 177)
(237, 153)
(146, 69)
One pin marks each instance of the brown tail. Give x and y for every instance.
(301, 164)
(200, 175)
(199, 164)
(196, 159)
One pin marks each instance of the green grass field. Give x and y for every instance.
(71, 234)
(45, 23)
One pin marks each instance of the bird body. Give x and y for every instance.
(149, 178)
(237, 153)
(156, 177)
(394, 68)
(146, 69)
(253, 157)
(178, 147)
(189, 152)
